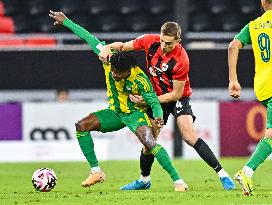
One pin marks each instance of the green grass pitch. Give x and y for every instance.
(204, 186)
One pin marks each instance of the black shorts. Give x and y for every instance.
(177, 108)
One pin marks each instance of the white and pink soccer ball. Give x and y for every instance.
(44, 179)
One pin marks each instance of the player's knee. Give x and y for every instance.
(80, 127)
(144, 134)
(267, 140)
(149, 143)
(146, 151)
(189, 138)
(268, 133)
(150, 146)
(190, 141)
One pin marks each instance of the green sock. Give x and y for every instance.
(164, 160)
(263, 150)
(86, 144)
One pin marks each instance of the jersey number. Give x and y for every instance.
(264, 44)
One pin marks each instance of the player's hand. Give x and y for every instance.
(137, 99)
(58, 16)
(159, 122)
(105, 54)
(234, 89)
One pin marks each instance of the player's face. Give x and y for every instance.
(264, 6)
(118, 76)
(168, 43)
(63, 96)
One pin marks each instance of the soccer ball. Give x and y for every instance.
(44, 179)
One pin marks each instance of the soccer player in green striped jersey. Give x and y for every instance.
(123, 77)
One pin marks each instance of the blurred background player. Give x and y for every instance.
(62, 95)
(258, 33)
(168, 67)
(123, 77)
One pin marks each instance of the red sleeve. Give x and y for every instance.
(143, 42)
(180, 72)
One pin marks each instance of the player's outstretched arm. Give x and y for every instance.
(93, 42)
(233, 52)
(58, 16)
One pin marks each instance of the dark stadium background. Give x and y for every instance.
(37, 58)
(208, 26)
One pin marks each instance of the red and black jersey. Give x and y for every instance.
(163, 69)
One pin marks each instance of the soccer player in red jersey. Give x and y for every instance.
(168, 67)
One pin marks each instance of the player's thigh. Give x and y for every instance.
(109, 121)
(88, 123)
(155, 133)
(139, 123)
(186, 129)
(135, 120)
(144, 134)
(183, 107)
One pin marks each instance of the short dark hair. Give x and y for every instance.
(122, 61)
(59, 90)
(171, 29)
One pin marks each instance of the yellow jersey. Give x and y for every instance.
(261, 37)
(137, 83)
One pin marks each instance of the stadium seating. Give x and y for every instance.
(1, 9)
(29, 42)
(219, 6)
(23, 24)
(70, 7)
(159, 7)
(43, 25)
(130, 7)
(232, 22)
(39, 7)
(108, 23)
(40, 41)
(13, 42)
(129, 15)
(195, 6)
(6, 25)
(221, 15)
(98, 16)
(201, 22)
(248, 6)
(100, 7)
(139, 22)
(15, 7)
